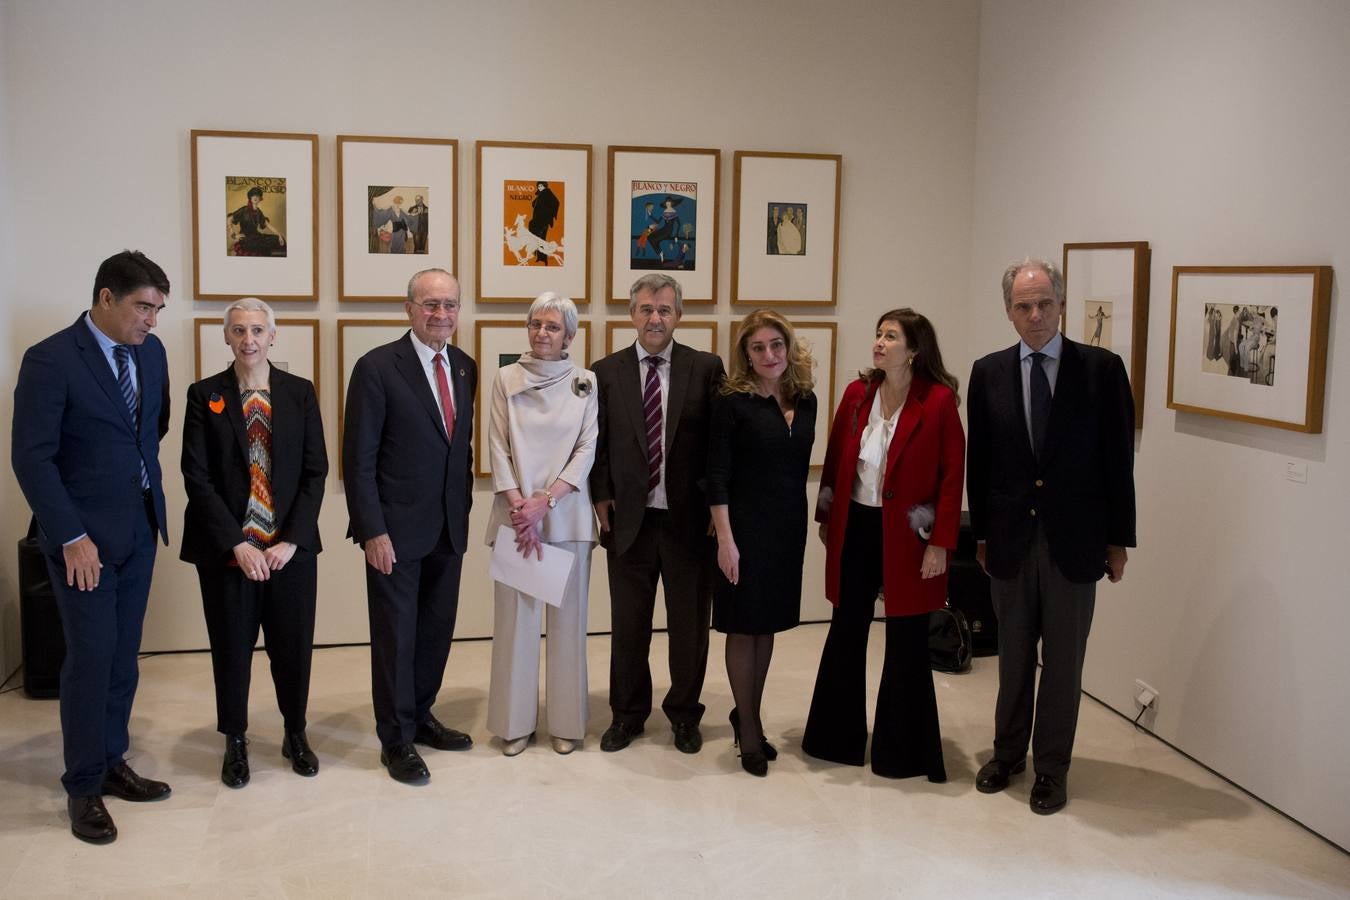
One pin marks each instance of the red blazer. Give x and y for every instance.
(924, 465)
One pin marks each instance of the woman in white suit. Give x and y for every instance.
(541, 438)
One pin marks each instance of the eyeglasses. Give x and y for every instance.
(432, 307)
(666, 312)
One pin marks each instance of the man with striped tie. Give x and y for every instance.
(90, 407)
(654, 521)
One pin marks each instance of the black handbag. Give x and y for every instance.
(949, 643)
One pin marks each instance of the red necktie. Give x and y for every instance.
(443, 388)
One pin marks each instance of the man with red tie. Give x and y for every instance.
(408, 467)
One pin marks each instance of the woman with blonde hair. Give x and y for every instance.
(759, 453)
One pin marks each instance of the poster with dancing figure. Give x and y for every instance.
(664, 217)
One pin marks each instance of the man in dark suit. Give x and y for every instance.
(408, 468)
(90, 407)
(1050, 472)
(650, 456)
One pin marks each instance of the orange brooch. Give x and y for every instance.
(216, 404)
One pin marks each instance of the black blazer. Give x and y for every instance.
(403, 477)
(620, 471)
(1082, 489)
(216, 472)
(74, 449)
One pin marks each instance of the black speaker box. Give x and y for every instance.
(968, 591)
(44, 644)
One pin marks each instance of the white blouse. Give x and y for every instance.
(876, 442)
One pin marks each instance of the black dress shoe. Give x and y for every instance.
(769, 750)
(121, 782)
(688, 739)
(1048, 795)
(234, 770)
(295, 747)
(993, 775)
(619, 735)
(89, 820)
(755, 763)
(404, 764)
(434, 734)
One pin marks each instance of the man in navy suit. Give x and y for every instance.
(90, 407)
(408, 468)
(1050, 471)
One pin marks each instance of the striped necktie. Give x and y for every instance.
(122, 353)
(651, 409)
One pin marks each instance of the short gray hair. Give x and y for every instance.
(552, 301)
(1050, 269)
(653, 282)
(252, 304)
(412, 282)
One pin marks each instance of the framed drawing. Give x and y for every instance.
(397, 209)
(296, 349)
(356, 337)
(1106, 287)
(821, 338)
(785, 229)
(498, 343)
(255, 215)
(1250, 343)
(701, 335)
(534, 221)
(662, 205)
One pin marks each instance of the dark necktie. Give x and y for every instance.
(447, 404)
(122, 353)
(651, 410)
(1040, 402)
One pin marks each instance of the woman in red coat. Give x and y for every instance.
(890, 510)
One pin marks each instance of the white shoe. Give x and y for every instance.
(516, 747)
(564, 746)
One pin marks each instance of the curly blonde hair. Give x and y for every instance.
(797, 380)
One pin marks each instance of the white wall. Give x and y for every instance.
(9, 361)
(100, 160)
(1216, 131)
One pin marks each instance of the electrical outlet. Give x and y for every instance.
(1144, 694)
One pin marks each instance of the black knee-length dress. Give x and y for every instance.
(757, 466)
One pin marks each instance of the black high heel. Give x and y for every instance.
(770, 752)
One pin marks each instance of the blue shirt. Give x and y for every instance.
(1050, 364)
(106, 344)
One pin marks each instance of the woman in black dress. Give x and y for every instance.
(759, 452)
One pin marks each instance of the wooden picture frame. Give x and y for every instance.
(507, 198)
(1227, 322)
(700, 334)
(774, 262)
(497, 343)
(356, 337)
(1114, 277)
(818, 334)
(246, 243)
(384, 237)
(296, 349)
(662, 215)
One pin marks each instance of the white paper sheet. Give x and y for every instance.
(544, 579)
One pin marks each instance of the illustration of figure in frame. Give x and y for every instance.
(249, 231)
(787, 229)
(536, 213)
(663, 232)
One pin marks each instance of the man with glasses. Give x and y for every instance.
(90, 407)
(408, 470)
(654, 521)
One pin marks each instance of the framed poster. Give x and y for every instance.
(534, 221)
(397, 207)
(699, 334)
(785, 229)
(1249, 343)
(662, 205)
(255, 215)
(355, 338)
(1106, 287)
(295, 350)
(821, 338)
(498, 343)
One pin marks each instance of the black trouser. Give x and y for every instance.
(906, 740)
(686, 573)
(1040, 605)
(283, 607)
(412, 621)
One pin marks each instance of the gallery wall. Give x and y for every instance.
(1215, 131)
(99, 160)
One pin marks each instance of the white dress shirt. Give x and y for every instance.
(427, 356)
(656, 498)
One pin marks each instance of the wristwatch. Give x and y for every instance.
(552, 500)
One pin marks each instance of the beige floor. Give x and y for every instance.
(647, 822)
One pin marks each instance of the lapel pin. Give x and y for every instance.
(216, 404)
